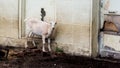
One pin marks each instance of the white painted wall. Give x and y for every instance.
(9, 18)
(74, 25)
(74, 22)
(33, 9)
(112, 41)
(114, 5)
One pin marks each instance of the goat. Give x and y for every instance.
(41, 28)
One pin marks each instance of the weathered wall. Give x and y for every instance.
(74, 26)
(109, 40)
(9, 18)
(114, 5)
(95, 27)
(33, 9)
(15, 42)
(112, 41)
(73, 22)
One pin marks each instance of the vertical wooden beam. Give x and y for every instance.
(95, 27)
(19, 18)
(23, 12)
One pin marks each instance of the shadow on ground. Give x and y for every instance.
(35, 58)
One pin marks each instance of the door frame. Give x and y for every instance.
(21, 17)
(95, 24)
(95, 27)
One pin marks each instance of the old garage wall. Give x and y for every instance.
(74, 26)
(33, 9)
(110, 40)
(10, 27)
(73, 22)
(9, 18)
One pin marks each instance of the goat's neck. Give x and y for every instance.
(50, 30)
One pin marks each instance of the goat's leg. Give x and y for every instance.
(49, 44)
(32, 35)
(27, 36)
(26, 45)
(43, 41)
(33, 43)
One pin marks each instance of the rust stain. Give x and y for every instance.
(110, 26)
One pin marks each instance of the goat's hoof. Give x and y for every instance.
(26, 47)
(44, 51)
(44, 54)
(50, 50)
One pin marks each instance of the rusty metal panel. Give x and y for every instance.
(9, 18)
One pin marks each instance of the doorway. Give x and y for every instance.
(109, 35)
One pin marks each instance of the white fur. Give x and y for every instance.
(39, 27)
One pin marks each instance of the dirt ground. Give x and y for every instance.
(35, 58)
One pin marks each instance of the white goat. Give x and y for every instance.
(42, 28)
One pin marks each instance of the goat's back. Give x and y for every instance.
(37, 26)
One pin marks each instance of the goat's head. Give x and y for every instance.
(53, 24)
